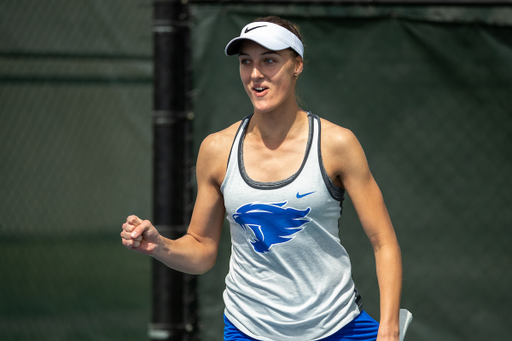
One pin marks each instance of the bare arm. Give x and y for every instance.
(195, 252)
(349, 168)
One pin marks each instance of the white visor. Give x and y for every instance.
(268, 35)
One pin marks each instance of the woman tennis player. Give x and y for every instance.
(280, 176)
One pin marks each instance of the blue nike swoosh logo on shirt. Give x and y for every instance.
(303, 195)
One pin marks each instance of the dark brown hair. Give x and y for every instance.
(284, 23)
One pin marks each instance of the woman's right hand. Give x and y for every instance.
(140, 235)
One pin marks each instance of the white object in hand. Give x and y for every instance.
(405, 319)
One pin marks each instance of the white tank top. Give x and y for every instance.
(289, 277)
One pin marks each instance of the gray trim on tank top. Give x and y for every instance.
(272, 184)
(336, 192)
(248, 117)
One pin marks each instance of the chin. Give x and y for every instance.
(264, 110)
(263, 107)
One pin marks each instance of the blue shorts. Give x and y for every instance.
(362, 328)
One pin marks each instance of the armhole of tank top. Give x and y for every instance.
(240, 127)
(358, 299)
(335, 192)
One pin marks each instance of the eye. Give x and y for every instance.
(244, 61)
(270, 61)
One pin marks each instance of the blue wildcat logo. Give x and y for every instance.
(270, 223)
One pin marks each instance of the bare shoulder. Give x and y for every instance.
(214, 153)
(342, 154)
(337, 138)
(221, 140)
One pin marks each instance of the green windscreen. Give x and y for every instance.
(426, 89)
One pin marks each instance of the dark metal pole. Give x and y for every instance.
(174, 315)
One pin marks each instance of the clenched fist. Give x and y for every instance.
(140, 235)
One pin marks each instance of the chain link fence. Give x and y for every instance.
(425, 89)
(75, 145)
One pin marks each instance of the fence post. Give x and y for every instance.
(174, 300)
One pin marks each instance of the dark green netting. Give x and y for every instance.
(75, 145)
(425, 89)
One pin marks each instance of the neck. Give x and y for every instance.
(273, 128)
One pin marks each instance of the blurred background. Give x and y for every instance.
(427, 89)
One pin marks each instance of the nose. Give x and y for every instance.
(256, 74)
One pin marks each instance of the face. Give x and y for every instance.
(268, 76)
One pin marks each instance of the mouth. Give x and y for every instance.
(259, 89)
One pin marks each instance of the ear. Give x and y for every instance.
(299, 65)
